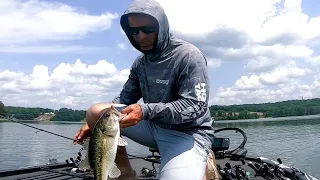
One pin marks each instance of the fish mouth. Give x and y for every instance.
(117, 108)
(116, 115)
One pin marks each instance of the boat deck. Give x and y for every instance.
(63, 171)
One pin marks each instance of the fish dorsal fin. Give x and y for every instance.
(114, 171)
(122, 142)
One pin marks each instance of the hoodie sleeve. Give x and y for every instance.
(193, 90)
(131, 92)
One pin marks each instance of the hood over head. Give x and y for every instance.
(155, 10)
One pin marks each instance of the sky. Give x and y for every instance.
(73, 54)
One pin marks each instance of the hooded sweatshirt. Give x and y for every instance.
(172, 79)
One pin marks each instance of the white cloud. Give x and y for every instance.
(276, 40)
(297, 51)
(282, 51)
(292, 6)
(273, 39)
(7, 75)
(122, 46)
(261, 20)
(75, 85)
(314, 61)
(246, 14)
(247, 83)
(35, 49)
(280, 75)
(79, 85)
(258, 88)
(283, 75)
(25, 21)
(34, 21)
(261, 64)
(227, 96)
(214, 63)
(282, 83)
(247, 30)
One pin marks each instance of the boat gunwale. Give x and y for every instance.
(32, 169)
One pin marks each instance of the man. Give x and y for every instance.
(171, 76)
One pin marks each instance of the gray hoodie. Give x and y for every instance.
(172, 80)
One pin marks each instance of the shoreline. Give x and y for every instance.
(44, 122)
(269, 119)
(287, 118)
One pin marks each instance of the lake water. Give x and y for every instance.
(296, 142)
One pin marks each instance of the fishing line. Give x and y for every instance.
(39, 129)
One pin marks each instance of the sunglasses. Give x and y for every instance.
(144, 29)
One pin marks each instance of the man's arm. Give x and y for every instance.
(131, 92)
(193, 84)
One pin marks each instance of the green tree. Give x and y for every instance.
(277, 109)
(3, 110)
(65, 114)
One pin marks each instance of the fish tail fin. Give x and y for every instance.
(122, 142)
(114, 171)
(84, 165)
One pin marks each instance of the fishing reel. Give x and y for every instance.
(146, 172)
(76, 162)
(154, 159)
(233, 173)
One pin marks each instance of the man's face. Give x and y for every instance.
(143, 30)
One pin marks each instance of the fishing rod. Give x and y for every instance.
(10, 119)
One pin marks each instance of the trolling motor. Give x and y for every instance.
(220, 145)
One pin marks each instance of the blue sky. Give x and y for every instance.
(72, 53)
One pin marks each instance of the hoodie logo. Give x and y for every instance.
(162, 81)
(201, 92)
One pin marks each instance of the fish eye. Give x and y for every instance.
(106, 115)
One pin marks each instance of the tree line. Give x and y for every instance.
(228, 112)
(31, 113)
(66, 114)
(3, 110)
(277, 109)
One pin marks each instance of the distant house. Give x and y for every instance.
(260, 114)
(45, 116)
(50, 113)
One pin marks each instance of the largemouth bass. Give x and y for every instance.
(102, 146)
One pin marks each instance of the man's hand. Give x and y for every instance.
(82, 134)
(134, 115)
